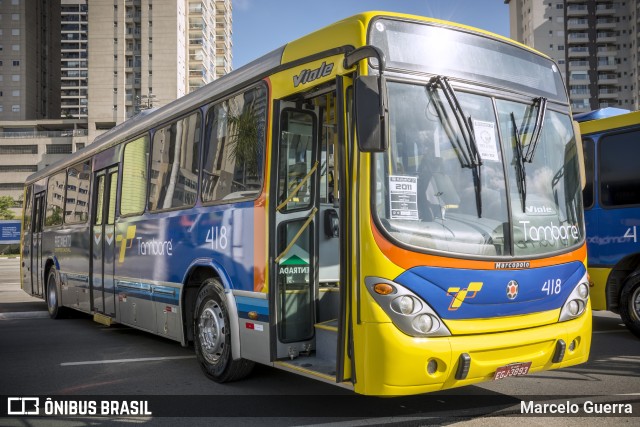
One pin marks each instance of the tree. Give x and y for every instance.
(6, 203)
(244, 137)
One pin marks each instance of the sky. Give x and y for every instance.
(260, 26)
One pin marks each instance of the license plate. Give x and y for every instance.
(512, 370)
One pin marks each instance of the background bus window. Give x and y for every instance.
(234, 155)
(174, 164)
(133, 196)
(77, 203)
(587, 192)
(55, 199)
(618, 169)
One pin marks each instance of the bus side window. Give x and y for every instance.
(234, 152)
(77, 199)
(133, 192)
(55, 199)
(174, 164)
(618, 169)
(28, 203)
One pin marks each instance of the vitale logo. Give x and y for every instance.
(307, 75)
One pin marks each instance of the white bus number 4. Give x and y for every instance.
(631, 234)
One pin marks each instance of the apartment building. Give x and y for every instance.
(93, 64)
(146, 53)
(595, 43)
(73, 59)
(29, 59)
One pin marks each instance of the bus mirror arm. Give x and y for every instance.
(355, 56)
(370, 93)
(580, 153)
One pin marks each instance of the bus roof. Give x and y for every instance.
(348, 33)
(602, 113)
(622, 119)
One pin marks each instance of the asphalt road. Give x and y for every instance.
(77, 359)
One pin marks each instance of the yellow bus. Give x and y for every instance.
(391, 204)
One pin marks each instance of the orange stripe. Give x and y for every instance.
(260, 209)
(407, 259)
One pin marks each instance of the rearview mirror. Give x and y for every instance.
(371, 113)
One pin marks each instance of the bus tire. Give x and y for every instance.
(212, 337)
(630, 304)
(53, 297)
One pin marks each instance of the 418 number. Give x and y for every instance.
(552, 286)
(217, 236)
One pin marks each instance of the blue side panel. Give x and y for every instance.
(160, 247)
(257, 305)
(440, 286)
(612, 234)
(145, 291)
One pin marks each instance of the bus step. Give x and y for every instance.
(327, 340)
(103, 319)
(311, 367)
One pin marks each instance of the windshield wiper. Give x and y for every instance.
(468, 152)
(527, 157)
(537, 129)
(522, 174)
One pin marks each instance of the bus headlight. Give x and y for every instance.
(577, 301)
(583, 290)
(407, 311)
(425, 323)
(405, 305)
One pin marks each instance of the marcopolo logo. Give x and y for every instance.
(307, 75)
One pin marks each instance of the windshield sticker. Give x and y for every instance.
(485, 135)
(403, 194)
(551, 233)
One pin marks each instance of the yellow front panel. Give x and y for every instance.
(392, 363)
(389, 362)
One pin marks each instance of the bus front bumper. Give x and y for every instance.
(396, 364)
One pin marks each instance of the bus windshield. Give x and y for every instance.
(430, 196)
(465, 56)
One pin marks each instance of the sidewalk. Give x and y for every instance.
(13, 299)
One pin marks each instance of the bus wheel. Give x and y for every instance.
(630, 304)
(213, 336)
(53, 300)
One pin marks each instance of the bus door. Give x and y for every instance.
(294, 252)
(37, 272)
(103, 241)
